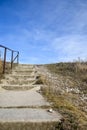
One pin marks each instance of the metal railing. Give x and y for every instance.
(12, 56)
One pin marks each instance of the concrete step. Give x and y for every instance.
(24, 68)
(29, 98)
(20, 77)
(29, 125)
(28, 115)
(18, 87)
(22, 107)
(26, 65)
(28, 119)
(23, 76)
(18, 81)
(21, 81)
(23, 72)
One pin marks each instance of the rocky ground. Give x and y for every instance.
(64, 88)
(69, 91)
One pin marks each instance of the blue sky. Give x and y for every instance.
(45, 31)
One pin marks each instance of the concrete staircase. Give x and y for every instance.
(22, 107)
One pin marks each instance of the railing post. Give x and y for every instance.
(4, 63)
(18, 58)
(12, 59)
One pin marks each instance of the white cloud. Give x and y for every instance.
(55, 29)
(30, 60)
(71, 46)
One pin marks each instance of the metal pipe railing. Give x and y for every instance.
(12, 56)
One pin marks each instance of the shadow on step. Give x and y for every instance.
(30, 126)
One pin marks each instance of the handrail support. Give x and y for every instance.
(4, 63)
(12, 57)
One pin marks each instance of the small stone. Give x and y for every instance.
(50, 110)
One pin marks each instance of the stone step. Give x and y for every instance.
(23, 71)
(23, 76)
(29, 98)
(18, 87)
(24, 79)
(22, 107)
(18, 81)
(19, 77)
(30, 125)
(28, 119)
(28, 115)
(25, 67)
(21, 81)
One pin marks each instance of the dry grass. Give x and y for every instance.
(39, 80)
(74, 118)
(74, 73)
(81, 66)
(68, 103)
(7, 69)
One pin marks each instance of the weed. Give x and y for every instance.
(39, 80)
(70, 75)
(72, 115)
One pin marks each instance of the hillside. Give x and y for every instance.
(64, 85)
(67, 90)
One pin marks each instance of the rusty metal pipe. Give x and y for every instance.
(4, 63)
(12, 57)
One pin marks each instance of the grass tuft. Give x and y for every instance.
(72, 76)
